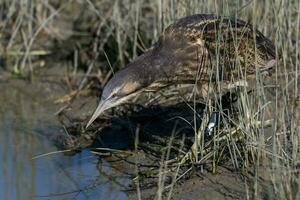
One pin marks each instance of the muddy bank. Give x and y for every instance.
(226, 184)
(135, 140)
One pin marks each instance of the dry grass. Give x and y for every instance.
(32, 31)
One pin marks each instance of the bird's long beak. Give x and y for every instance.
(101, 107)
(107, 104)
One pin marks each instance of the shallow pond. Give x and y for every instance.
(26, 121)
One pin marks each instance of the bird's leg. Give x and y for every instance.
(198, 145)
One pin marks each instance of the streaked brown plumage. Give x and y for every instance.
(196, 49)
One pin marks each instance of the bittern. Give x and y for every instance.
(195, 49)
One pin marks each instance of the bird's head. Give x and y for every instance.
(124, 85)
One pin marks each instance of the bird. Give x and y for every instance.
(195, 49)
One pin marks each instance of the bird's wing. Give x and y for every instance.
(211, 28)
(227, 40)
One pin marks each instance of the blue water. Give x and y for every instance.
(26, 121)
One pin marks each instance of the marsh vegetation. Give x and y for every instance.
(158, 139)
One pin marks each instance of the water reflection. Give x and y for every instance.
(26, 121)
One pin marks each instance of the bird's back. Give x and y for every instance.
(198, 44)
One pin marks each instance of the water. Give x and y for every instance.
(26, 121)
